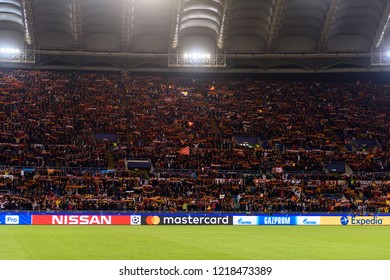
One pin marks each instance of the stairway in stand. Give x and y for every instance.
(211, 120)
(110, 160)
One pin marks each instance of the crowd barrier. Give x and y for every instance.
(158, 218)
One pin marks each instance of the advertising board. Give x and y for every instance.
(80, 220)
(187, 220)
(308, 220)
(277, 220)
(352, 220)
(158, 218)
(15, 219)
(245, 220)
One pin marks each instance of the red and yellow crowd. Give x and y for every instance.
(213, 144)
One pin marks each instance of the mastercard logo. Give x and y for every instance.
(152, 220)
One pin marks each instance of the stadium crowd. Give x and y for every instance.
(213, 144)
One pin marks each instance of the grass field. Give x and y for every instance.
(194, 243)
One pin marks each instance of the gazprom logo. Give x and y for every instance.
(344, 220)
(309, 222)
(243, 222)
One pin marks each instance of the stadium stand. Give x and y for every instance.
(213, 144)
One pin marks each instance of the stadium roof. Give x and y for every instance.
(253, 35)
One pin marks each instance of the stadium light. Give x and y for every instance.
(196, 56)
(9, 51)
(196, 59)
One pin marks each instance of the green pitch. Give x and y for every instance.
(194, 242)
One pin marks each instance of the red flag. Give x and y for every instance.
(185, 151)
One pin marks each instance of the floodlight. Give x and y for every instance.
(196, 58)
(9, 51)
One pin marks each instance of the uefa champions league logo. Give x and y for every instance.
(135, 220)
(344, 220)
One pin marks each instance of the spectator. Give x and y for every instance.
(59, 130)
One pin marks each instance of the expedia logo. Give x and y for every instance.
(366, 221)
(153, 220)
(361, 221)
(344, 220)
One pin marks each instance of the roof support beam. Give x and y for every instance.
(248, 56)
(228, 4)
(328, 24)
(77, 23)
(127, 23)
(28, 23)
(383, 25)
(277, 16)
(176, 18)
